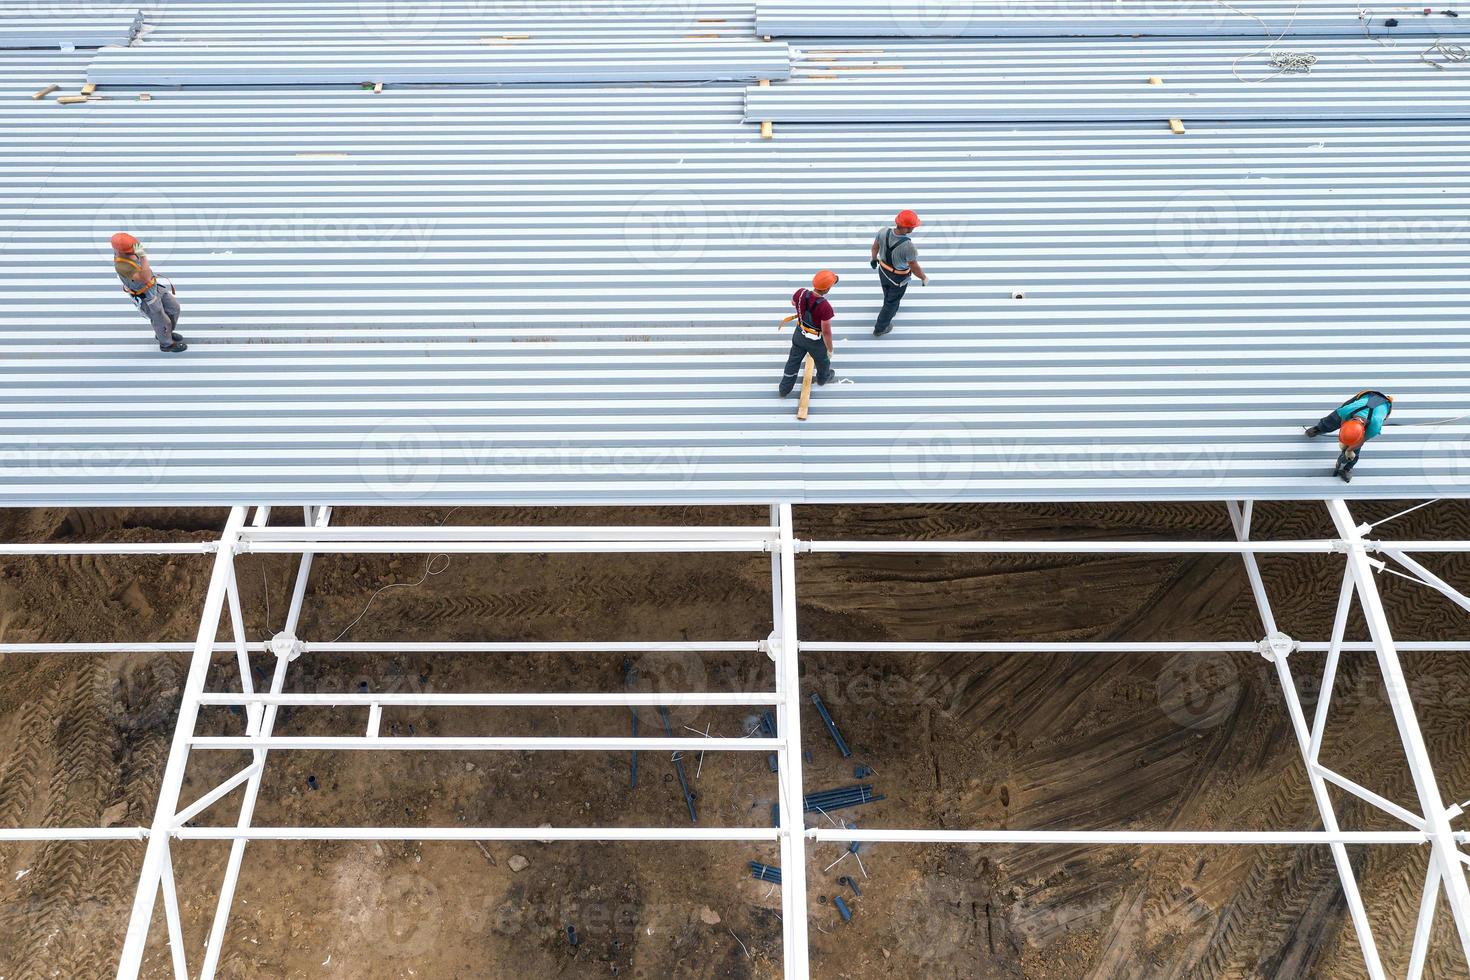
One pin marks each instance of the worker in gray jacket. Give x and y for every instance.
(897, 261)
(153, 299)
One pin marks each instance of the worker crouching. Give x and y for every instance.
(813, 334)
(1355, 421)
(153, 299)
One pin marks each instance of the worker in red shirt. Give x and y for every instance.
(813, 333)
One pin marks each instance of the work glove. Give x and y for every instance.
(873, 264)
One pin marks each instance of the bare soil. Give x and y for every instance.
(954, 741)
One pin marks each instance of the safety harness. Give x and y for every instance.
(887, 252)
(126, 268)
(810, 330)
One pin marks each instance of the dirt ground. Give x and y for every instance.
(954, 741)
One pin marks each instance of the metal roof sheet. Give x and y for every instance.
(288, 22)
(553, 295)
(556, 294)
(1075, 18)
(499, 61)
(23, 27)
(1101, 80)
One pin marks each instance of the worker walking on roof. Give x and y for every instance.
(153, 299)
(1355, 421)
(896, 259)
(813, 334)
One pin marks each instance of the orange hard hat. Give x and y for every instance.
(825, 279)
(123, 243)
(907, 219)
(1352, 433)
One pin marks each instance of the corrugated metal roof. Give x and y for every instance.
(313, 21)
(572, 295)
(1075, 18)
(499, 61)
(22, 26)
(1106, 80)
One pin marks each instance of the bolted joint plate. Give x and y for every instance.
(1276, 645)
(285, 645)
(773, 646)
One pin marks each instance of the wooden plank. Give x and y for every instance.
(45, 91)
(809, 367)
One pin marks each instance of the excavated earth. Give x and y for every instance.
(1071, 741)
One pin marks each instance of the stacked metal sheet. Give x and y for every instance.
(310, 22)
(1089, 18)
(90, 27)
(499, 61)
(1118, 80)
(552, 295)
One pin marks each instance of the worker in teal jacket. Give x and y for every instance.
(1355, 421)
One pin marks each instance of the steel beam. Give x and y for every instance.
(1240, 519)
(1446, 854)
(260, 728)
(155, 859)
(786, 649)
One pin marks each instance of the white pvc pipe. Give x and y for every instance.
(488, 534)
(1368, 796)
(617, 699)
(159, 548)
(481, 833)
(485, 744)
(795, 936)
(74, 833)
(687, 546)
(1113, 837)
(1314, 546)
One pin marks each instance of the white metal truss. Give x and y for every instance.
(1431, 826)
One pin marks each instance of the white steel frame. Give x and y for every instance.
(1431, 825)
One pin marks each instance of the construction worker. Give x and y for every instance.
(813, 334)
(896, 259)
(153, 299)
(1355, 421)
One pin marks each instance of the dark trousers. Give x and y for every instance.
(800, 348)
(893, 290)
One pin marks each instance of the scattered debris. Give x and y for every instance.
(764, 872)
(831, 725)
(709, 916)
(842, 909)
(518, 863)
(836, 799)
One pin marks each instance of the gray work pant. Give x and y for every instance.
(161, 307)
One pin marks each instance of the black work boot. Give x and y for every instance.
(177, 347)
(1312, 432)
